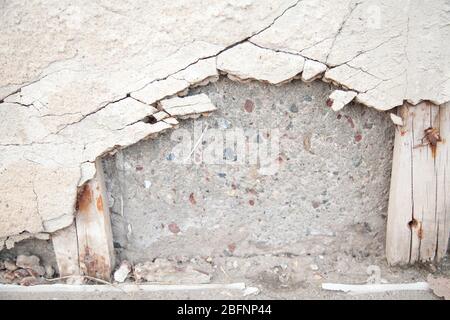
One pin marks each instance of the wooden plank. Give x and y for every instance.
(417, 228)
(95, 245)
(423, 225)
(398, 235)
(65, 246)
(443, 183)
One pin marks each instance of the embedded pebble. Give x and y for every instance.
(123, 271)
(9, 265)
(49, 271)
(223, 123)
(27, 262)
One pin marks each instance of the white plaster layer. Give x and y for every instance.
(312, 70)
(339, 99)
(247, 61)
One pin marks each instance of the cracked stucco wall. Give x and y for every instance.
(76, 79)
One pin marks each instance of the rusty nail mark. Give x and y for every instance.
(413, 223)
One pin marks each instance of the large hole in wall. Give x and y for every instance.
(327, 196)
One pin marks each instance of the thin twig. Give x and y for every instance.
(86, 277)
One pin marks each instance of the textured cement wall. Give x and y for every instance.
(328, 194)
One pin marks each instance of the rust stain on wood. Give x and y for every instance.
(84, 199)
(93, 265)
(420, 232)
(100, 204)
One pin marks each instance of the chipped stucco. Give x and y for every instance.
(79, 80)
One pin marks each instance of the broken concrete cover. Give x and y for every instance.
(77, 80)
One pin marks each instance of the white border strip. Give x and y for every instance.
(51, 288)
(376, 288)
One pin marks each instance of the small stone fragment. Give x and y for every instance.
(49, 271)
(27, 262)
(21, 273)
(37, 271)
(170, 157)
(6, 277)
(396, 119)
(440, 286)
(75, 280)
(9, 276)
(173, 227)
(30, 263)
(251, 291)
(9, 265)
(293, 108)
(122, 272)
(339, 99)
(29, 281)
(147, 184)
(223, 123)
(312, 70)
(249, 106)
(314, 267)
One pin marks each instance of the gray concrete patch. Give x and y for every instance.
(329, 193)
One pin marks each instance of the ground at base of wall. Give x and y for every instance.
(278, 277)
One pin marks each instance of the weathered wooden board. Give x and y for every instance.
(93, 225)
(86, 247)
(65, 245)
(418, 214)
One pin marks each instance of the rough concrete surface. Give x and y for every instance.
(325, 161)
(284, 232)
